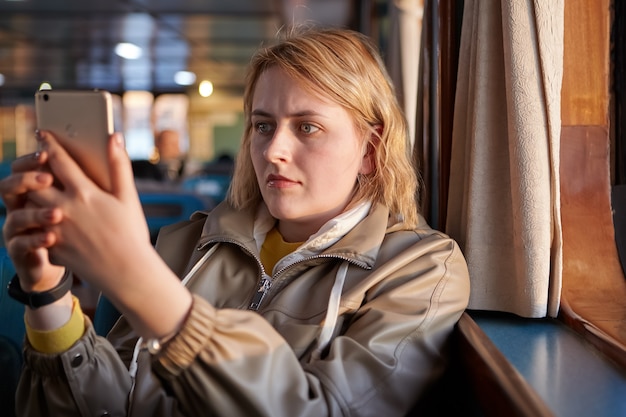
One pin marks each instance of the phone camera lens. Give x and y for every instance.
(45, 97)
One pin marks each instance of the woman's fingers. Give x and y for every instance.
(28, 172)
(33, 223)
(30, 218)
(14, 189)
(73, 177)
(27, 240)
(25, 244)
(30, 162)
(122, 180)
(63, 166)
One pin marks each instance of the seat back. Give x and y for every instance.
(11, 364)
(11, 312)
(12, 332)
(105, 316)
(165, 208)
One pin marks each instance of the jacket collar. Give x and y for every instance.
(359, 243)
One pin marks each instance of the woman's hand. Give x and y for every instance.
(25, 230)
(56, 215)
(103, 237)
(99, 231)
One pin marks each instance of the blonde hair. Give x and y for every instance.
(347, 68)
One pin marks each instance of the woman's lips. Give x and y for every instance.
(278, 181)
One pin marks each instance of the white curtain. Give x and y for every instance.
(504, 200)
(403, 53)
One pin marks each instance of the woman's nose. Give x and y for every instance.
(279, 147)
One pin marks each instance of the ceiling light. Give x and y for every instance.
(184, 78)
(128, 50)
(205, 88)
(45, 86)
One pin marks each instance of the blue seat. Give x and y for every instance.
(5, 171)
(213, 185)
(12, 312)
(165, 208)
(11, 364)
(3, 215)
(105, 316)
(12, 332)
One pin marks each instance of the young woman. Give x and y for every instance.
(314, 290)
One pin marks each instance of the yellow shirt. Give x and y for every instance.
(274, 249)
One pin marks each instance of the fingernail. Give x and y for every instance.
(38, 135)
(42, 178)
(49, 214)
(43, 239)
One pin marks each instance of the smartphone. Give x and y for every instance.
(82, 121)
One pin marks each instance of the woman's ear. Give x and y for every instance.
(369, 161)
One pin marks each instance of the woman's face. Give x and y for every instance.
(306, 153)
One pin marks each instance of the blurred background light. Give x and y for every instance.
(206, 88)
(184, 78)
(128, 50)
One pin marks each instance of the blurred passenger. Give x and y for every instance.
(145, 170)
(168, 155)
(315, 289)
(167, 163)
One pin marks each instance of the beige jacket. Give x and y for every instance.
(352, 326)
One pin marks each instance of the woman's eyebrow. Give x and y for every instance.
(262, 113)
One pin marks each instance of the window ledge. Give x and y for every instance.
(537, 367)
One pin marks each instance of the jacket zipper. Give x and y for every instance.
(261, 292)
(264, 289)
(265, 281)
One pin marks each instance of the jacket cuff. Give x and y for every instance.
(180, 352)
(52, 364)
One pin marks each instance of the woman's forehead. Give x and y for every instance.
(275, 84)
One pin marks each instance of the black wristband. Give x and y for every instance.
(38, 299)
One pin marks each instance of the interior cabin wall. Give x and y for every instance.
(594, 288)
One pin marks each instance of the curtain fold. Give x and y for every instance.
(403, 55)
(504, 200)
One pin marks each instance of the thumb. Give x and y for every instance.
(122, 180)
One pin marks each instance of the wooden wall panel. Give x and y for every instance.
(585, 95)
(594, 287)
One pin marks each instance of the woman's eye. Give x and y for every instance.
(262, 127)
(309, 128)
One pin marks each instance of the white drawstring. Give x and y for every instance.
(330, 321)
(198, 264)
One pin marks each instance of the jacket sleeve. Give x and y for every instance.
(72, 383)
(387, 353)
